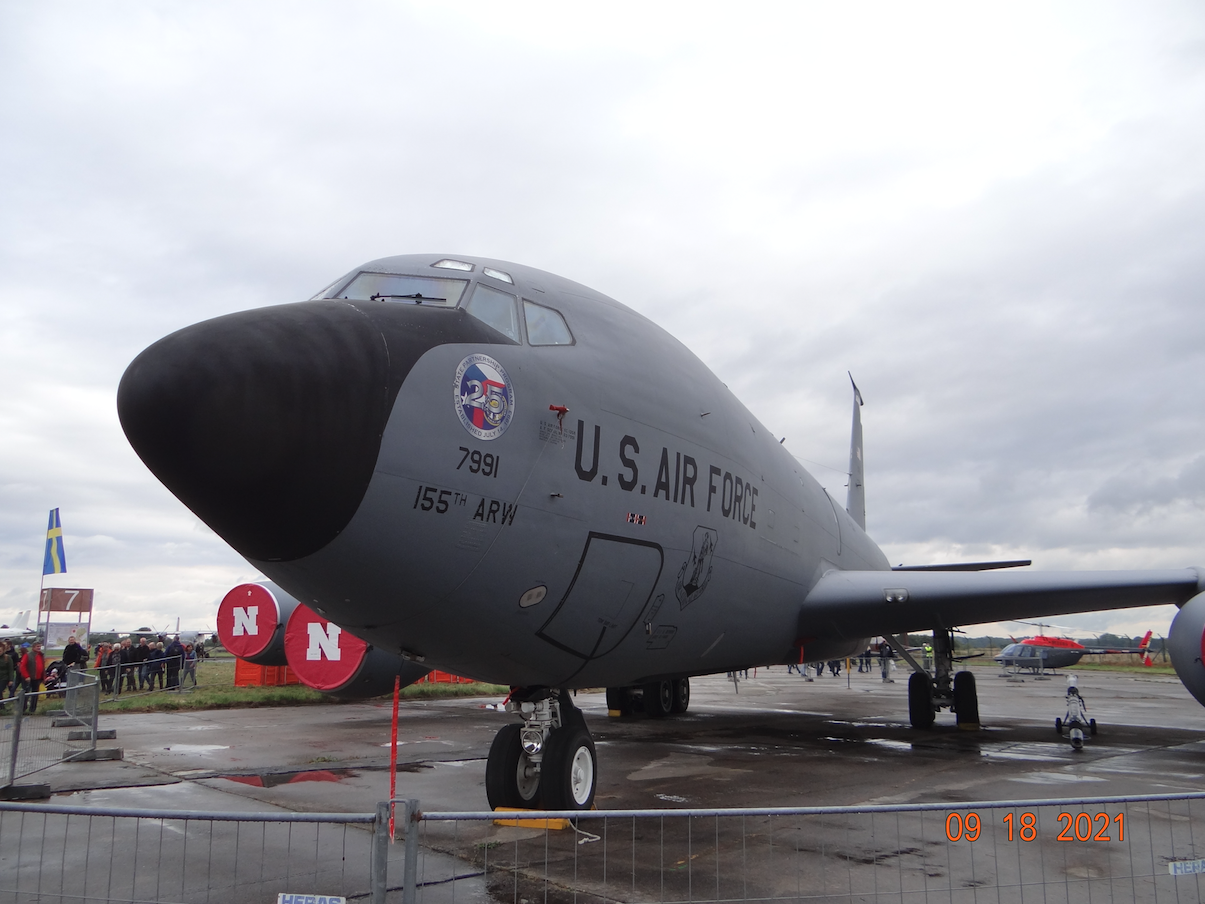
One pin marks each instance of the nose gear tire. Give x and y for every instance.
(507, 779)
(569, 772)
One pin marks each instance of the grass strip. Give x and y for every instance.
(216, 690)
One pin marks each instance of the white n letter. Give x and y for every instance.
(245, 621)
(323, 643)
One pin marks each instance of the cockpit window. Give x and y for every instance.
(495, 308)
(403, 289)
(545, 326)
(329, 291)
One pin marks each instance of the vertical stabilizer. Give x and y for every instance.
(855, 503)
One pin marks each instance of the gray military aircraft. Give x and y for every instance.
(494, 471)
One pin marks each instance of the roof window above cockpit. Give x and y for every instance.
(395, 287)
(448, 264)
(498, 274)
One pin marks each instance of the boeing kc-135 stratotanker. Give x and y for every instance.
(476, 466)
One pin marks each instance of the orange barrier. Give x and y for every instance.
(436, 677)
(247, 674)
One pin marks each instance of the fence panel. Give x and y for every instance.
(172, 673)
(1084, 850)
(1078, 850)
(61, 854)
(38, 730)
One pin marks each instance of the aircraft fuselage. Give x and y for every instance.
(596, 513)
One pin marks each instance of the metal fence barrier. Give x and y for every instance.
(1102, 849)
(170, 673)
(1149, 848)
(38, 730)
(70, 854)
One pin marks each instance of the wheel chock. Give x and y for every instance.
(520, 822)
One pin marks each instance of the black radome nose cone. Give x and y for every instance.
(265, 423)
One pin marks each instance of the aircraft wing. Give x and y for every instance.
(855, 604)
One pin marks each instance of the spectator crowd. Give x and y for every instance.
(122, 666)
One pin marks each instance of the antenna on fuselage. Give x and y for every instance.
(855, 502)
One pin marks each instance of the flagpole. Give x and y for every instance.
(37, 625)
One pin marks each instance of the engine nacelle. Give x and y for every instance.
(251, 622)
(331, 659)
(1186, 646)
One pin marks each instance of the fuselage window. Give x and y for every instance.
(545, 326)
(403, 289)
(495, 308)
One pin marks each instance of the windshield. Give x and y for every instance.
(404, 289)
(495, 308)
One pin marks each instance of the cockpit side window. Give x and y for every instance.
(545, 326)
(496, 309)
(402, 289)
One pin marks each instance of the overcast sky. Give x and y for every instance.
(994, 217)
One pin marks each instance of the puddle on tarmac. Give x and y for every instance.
(197, 748)
(274, 779)
(1034, 753)
(889, 744)
(426, 739)
(1054, 778)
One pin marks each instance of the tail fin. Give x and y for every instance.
(22, 621)
(1145, 647)
(855, 502)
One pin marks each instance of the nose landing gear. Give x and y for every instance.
(548, 761)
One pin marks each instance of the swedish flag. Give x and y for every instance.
(56, 560)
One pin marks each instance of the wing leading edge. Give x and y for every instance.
(855, 604)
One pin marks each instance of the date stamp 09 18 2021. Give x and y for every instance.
(1024, 826)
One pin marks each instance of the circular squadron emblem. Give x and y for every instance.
(485, 398)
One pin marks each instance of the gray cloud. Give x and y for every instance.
(991, 217)
(1144, 494)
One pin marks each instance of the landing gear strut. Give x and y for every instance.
(928, 693)
(547, 762)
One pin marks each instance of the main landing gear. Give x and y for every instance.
(547, 762)
(657, 698)
(943, 689)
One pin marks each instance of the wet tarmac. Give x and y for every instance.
(770, 740)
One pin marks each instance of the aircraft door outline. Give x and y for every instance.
(610, 591)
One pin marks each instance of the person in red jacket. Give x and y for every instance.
(33, 673)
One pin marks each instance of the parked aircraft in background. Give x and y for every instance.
(476, 466)
(1042, 652)
(19, 630)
